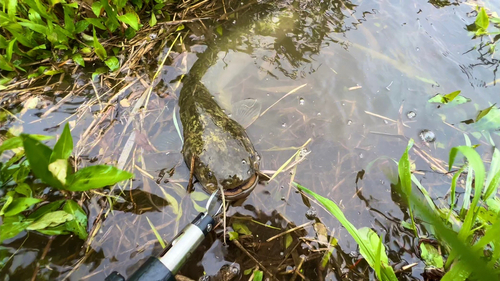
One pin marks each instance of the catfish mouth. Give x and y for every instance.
(242, 190)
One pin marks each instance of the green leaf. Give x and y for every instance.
(59, 169)
(483, 113)
(407, 225)
(96, 177)
(79, 224)
(4, 64)
(241, 228)
(113, 63)
(36, 50)
(130, 33)
(152, 21)
(495, 20)
(288, 240)
(112, 23)
(12, 143)
(40, 70)
(54, 2)
(9, 197)
(11, 8)
(451, 96)
(53, 72)
(386, 272)
(56, 230)
(19, 205)
(38, 156)
(95, 22)
(22, 173)
(219, 30)
(99, 71)
(130, 19)
(247, 271)
(121, 3)
(69, 16)
(96, 8)
(12, 226)
(455, 99)
(198, 208)
(16, 142)
(99, 49)
(24, 189)
(47, 208)
(233, 235)
(489, 122)
(373, 241)
(50, 220)
(78, 59)
(477, 165)
(158, 236)
(469, 259)
(199, 196)
(82, 25)
(35, 27)
(482, 20)
(431, 255)
(10, 49)
(63, 146)
(86, 50)
(492, 187)
(73, 5)
(258, 275)
(3, 43)
(405, 171)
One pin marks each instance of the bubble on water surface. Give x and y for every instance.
(349, 122)
(427, 135)
(302, 101)
(411, 114)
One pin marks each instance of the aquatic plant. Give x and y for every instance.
(467, 244)
(28, 205)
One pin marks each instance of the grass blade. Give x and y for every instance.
(158, 237)
(386, 272)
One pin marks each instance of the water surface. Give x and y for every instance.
(366, 70)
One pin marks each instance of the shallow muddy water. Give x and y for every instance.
(362, 71)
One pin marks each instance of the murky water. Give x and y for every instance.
(364, 72)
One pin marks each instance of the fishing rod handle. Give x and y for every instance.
(167, 264)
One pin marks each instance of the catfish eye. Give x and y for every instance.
(210, 174)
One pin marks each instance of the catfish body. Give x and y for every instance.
(224, 157)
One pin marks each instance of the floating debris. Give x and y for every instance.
(311, 214)
(427, 135)
(411, 114)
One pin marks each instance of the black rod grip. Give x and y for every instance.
(152, 270)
